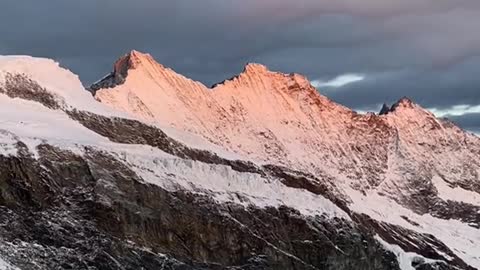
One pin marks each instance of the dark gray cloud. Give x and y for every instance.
(426, 49)
(470, 121)
(457, 84)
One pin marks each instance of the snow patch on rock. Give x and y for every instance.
(222, 182)
(458, 194)
(462, 239)
(405, 259)
(6, 266)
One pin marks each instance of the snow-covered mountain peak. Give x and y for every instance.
(133, 66)
(123, 64)
(255, 68)
(139, 56)
(133, 60)
(260, 79)
(404, 103)
(406, 108)
(41, 70)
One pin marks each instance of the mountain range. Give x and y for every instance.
(148, 169)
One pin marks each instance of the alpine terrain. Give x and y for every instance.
(148, 169)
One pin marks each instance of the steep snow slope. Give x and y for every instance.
(151, 82)
(405, 157)
(66, 86)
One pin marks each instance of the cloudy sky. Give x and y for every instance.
(359, 53)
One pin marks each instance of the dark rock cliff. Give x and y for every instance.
(65, 211)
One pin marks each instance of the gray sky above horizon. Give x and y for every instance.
(359, 53)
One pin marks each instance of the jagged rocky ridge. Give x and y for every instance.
(118, 192)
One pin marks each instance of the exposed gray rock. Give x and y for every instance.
(20, 86)
(93, 212)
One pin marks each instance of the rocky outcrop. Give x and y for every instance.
(426, 245)
(384, 110)
(135, 132)
(22, 87)
(119, 73)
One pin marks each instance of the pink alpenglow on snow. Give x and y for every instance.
(275, 118)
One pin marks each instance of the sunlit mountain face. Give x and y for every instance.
(424, 50)
(252, 135)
